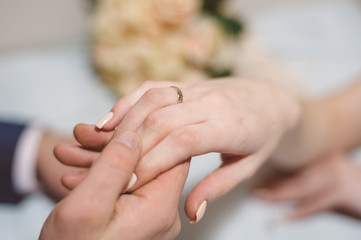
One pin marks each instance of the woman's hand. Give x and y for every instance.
(97, 209)
(331, 183)
(244, 120)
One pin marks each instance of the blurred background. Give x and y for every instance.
(47, 77)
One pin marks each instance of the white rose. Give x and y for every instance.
(138, 40)
(119, 19)
(175, 12)
(201, 41)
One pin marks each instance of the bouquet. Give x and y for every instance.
(174, 40)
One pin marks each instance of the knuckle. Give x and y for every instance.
(156, 120)
(116, 167)
(150, 121)
(186, 138)
(217, 98)
(113, 155)
(143, 168)
(152, 96)
(114, 163)
(116, 160)
(221, 95)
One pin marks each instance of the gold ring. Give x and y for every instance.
(180, 94)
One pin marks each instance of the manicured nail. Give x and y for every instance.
(200, 212)
(132, 182)
(106, 118)
(129, 138)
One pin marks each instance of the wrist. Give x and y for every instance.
(310, 136)
(345, 126)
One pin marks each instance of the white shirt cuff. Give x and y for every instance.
(25, 159)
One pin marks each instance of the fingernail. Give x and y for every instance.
(128, 138)
(106, 118)
(200, 212)
(132, 182)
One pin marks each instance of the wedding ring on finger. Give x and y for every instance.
(180, 94)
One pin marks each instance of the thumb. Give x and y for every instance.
(111, 173)
(217, 184)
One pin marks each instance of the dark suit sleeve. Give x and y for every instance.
(9, 136)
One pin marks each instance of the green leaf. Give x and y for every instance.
(232, 26)
(217, 73)
(211, 6)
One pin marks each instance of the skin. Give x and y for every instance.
(86, 214)
(330, 183)
(49, 169)
(326, 125)
(229, 116)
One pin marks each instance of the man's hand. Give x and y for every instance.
(98, 208)
(49, 170)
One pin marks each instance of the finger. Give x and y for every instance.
(120, 109)
(178, 146)
(75, 155)
(153, 99)
(294, 188)
(158, 124)
(92, 138)
(220, 182)
(169, 185)
(270, 177)
(183, 143)
(159, 199)
(308, 182)
(71, 180)
(320, 202)
(110, 174)
(166, 190)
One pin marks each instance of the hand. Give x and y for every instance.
(330, 183)
(241, 119)
(97, 209)
(48, 169)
